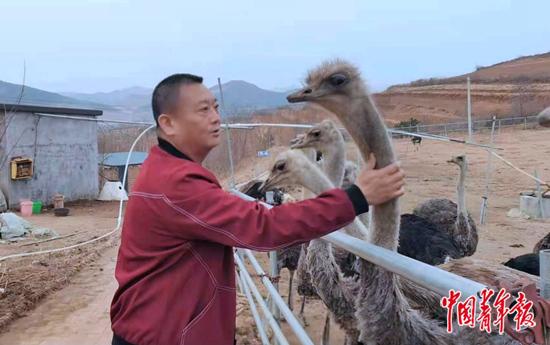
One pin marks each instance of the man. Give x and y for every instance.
(175, 264)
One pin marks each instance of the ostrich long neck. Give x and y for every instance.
(317, 182)
(461, 191)
(365, 125)
(384, 314)
(335, 156)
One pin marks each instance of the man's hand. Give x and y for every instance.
(380, 185)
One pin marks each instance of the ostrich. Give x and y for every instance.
(453, 219)
(419, 239)
(335, 290)
(416, 141)
(544, 117)
(528, 263)
(383, 313)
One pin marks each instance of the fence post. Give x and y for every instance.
(544, 256)
(274, 272)
(485, 197)
(230, 155)
(469, 107)
(525, 123)
(539, 196)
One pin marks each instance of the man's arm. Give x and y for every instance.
(217, 216)
(211, 214)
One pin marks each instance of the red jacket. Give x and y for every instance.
(175, 264)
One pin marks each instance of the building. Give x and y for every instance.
(43, 153)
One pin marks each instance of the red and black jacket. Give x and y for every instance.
(175, 264)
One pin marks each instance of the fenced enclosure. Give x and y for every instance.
(523, 122)
(247, 143)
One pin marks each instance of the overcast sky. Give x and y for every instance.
(102, 45)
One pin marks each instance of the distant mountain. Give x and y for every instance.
(11, 93)
(241, 97)
(130, 97)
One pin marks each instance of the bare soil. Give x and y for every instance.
(64, 298)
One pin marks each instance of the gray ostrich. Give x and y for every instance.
(544, 117)
(452, 218)
(335, 290)
(384, 315)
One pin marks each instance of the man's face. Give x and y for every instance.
(195, 121)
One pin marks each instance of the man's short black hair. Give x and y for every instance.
(166, 93)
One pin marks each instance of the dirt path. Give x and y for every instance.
(77, 314)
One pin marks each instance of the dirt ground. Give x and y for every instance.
(64, 298)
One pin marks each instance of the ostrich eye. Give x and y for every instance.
(280, 166)
(338, 79)
(316, 133)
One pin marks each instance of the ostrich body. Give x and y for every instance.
(383, 313)
(416, 141)
(422, 240)
(544, 117)
(453, 218)
(528, 263)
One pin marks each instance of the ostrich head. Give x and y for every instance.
(292, 167)
(458, 160)
(338, 87)
(330, 85)
(544, 117)
(320, 136)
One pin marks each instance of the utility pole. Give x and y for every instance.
(469, 105)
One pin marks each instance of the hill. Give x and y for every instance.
(11, 93)
(517, 87)
(241, 97)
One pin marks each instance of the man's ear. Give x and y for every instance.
(166, 124)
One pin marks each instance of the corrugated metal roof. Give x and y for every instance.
(119, 158)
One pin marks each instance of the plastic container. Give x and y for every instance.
(37, 207)
(26, 208)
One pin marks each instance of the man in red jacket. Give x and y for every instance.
(175, 264)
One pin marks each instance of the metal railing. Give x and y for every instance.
(427, 276)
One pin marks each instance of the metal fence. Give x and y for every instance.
(524, 122)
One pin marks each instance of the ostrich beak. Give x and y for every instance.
(264, 186)
(297, 145)
(304, 95)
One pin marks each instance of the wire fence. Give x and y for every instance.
(523, 122)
